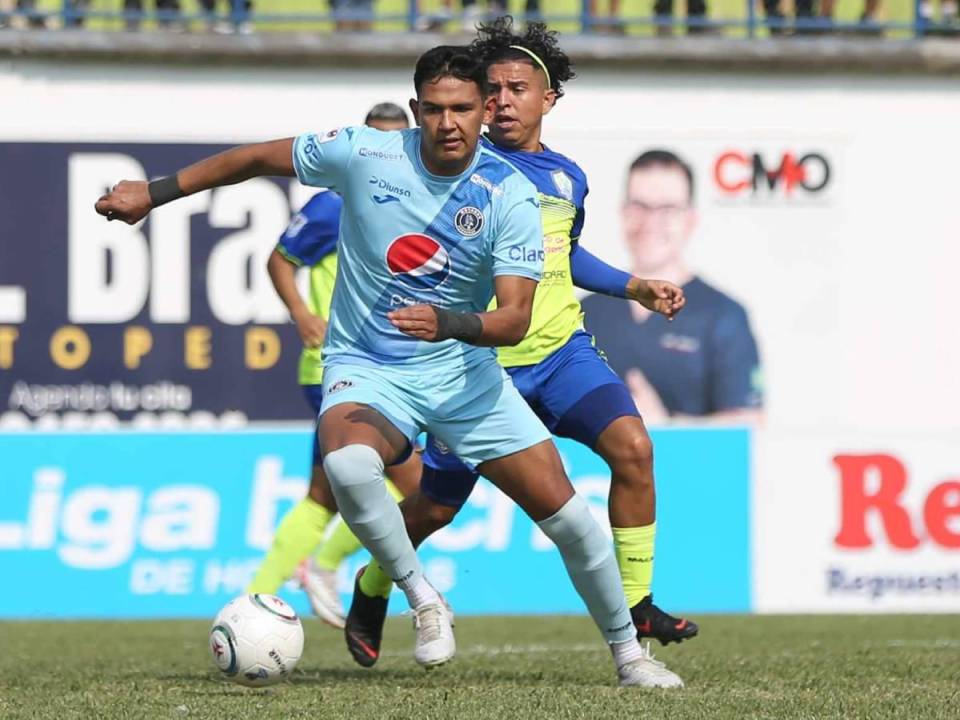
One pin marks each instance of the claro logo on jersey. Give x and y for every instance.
(756, 175)
(418, 261)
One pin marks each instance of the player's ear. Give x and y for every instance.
(549, 100)
(415, 111)
(489, 108)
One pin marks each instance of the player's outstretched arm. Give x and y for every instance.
(283, 275)
(130, 201)
(505, 325)
(591, 273)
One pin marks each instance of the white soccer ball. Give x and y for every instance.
(256, 640)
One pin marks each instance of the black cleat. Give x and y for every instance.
(652, 622)
(364, 627)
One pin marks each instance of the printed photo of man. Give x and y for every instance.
(704, 364)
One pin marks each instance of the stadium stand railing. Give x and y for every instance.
(734, 18)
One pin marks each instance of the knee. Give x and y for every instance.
(576, 533)
(353, 465)
(439, 516)
(424, 517)
(635, 453)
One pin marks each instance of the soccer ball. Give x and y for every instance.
(256, 640)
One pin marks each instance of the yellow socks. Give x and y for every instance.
(375, 582)
(300, 531)
(634, 550)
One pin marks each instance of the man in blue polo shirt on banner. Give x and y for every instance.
(705, 363)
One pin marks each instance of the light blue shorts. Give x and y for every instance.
(479, 414)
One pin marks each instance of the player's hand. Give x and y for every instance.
(658, 296)
(128, 201)
(419, 321)
(311, 328)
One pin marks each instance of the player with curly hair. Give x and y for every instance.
(556, 367)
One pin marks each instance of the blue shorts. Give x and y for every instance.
(573, 391)
(478, 413)
(314, 395)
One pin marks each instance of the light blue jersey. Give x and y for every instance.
(409, 237)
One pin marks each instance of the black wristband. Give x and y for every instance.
(457, 325)
(164, 190)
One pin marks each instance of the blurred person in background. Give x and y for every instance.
(310, 241)
(810, 19)
(236, 18)
(868, 18)
(663, 16)
(703, 364)
(473, 13)
(352, 15)
(38, 19)
(168, 15)
(948, 23)
(608, 23)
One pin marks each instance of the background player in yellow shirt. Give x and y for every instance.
(311, 241)
(556, 367)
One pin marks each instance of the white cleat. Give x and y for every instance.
(321, 588)
(647, 672)
(435, 644)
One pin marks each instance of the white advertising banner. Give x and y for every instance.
(865, 522)
(825, 206)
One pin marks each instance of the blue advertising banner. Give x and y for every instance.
(130, 525)
(172, 318)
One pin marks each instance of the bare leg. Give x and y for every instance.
(627, 449)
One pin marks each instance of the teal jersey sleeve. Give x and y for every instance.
(322, 159)
(518, 241)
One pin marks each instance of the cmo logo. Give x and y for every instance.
(418, 261)
(873, 485)
(736, 172)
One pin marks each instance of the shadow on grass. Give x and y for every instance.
(441, 678)
(438, 679)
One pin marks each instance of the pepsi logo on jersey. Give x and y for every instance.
(418, 261)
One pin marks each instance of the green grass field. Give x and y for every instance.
(897, 667)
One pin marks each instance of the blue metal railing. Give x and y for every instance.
(74, 13)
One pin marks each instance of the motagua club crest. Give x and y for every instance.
(468, 221)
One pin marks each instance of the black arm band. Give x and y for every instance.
(458, 326)
(164, 190)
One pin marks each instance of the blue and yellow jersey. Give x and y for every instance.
(562, 188)
(311, 241)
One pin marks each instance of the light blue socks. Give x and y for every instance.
(592, 567)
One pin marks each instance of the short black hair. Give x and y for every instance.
(496, 42)
(663, 158)
(387, 112)
(450, 61)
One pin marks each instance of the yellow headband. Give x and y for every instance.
(536, 59)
